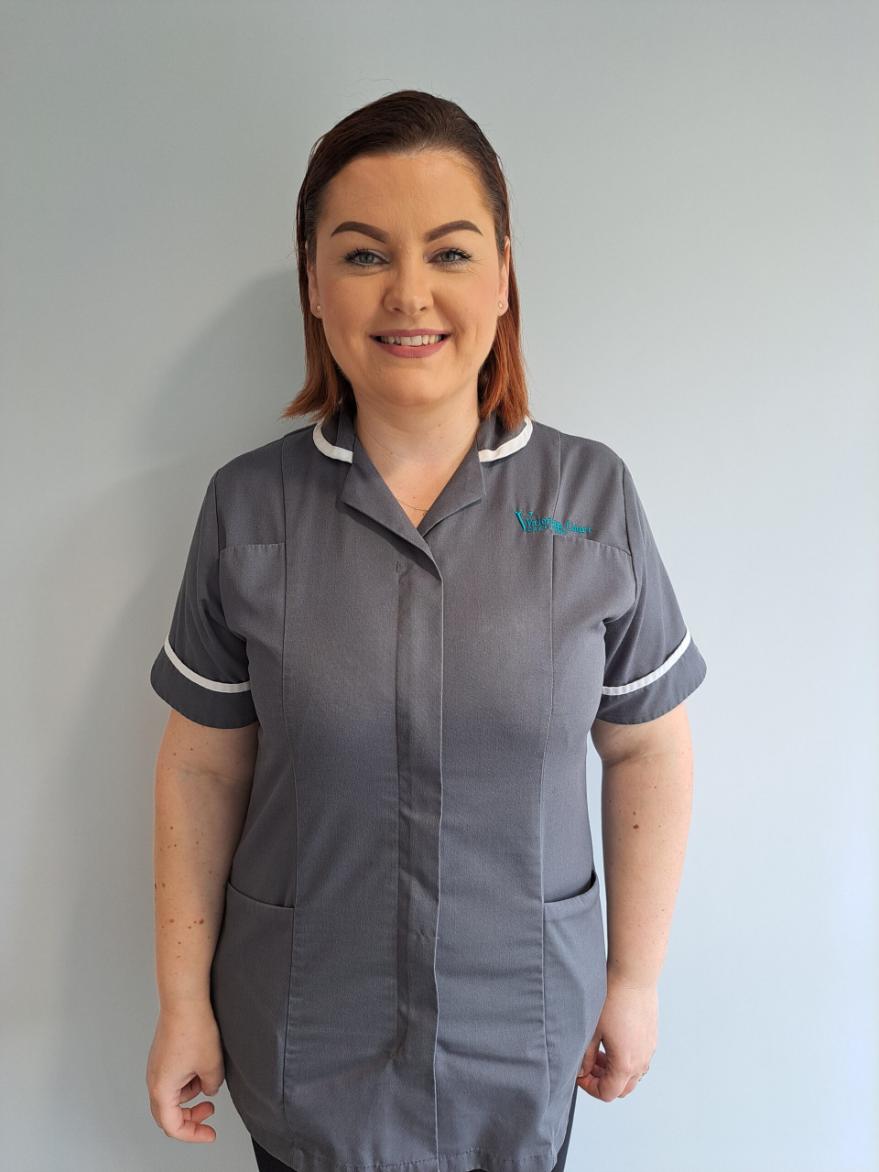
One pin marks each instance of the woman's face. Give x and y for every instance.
(367, 285)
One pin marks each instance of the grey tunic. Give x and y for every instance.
(412, 957)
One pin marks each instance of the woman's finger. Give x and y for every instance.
(185, 1123)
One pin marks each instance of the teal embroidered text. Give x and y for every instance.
(532, 524)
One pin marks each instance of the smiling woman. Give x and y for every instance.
(413, 283)
(424, 600)
(403, 230)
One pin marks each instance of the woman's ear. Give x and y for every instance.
(313, 294)
(504, 292)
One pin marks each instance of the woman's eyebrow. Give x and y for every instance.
(378, 234)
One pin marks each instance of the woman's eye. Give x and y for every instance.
(352, 257)
(358, 252)
(459, 252)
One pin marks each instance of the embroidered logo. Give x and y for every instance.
(532, 524)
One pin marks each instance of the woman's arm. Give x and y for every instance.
(203, 780)
(645, 815)
(647, 776)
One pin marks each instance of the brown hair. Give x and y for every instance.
(399, 123)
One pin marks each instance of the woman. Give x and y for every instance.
(376, 907)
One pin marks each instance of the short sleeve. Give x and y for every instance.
(651, 660)
(202, 669)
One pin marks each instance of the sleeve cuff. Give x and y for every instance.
(652, 695)
(211, 702)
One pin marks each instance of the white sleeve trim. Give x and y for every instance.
(622, 689)
(203, 681)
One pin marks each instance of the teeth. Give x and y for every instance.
(420, 340)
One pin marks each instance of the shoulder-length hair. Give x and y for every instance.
(400, 123)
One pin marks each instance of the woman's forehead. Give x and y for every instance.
(412, 186)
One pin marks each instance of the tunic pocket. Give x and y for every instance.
(575, 986)
(250, 977)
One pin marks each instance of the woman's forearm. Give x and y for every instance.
(645, 808)
(198, 819)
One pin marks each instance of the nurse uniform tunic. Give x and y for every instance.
(412, 955)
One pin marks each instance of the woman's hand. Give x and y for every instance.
(185, 1060)
(628, 1027)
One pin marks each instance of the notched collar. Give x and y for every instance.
(364, 489)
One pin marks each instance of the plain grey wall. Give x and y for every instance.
(694, 195)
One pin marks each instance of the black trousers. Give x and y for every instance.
(266, 1162)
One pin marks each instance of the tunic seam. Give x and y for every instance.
(593, 541)
(286, 722)
(543, 770)
(382, 1164)
(629, 539)
(399, 1031)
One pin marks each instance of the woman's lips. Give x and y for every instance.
(411, 351)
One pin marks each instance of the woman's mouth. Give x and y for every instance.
(421, 349)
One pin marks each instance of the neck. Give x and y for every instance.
(421, 436)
